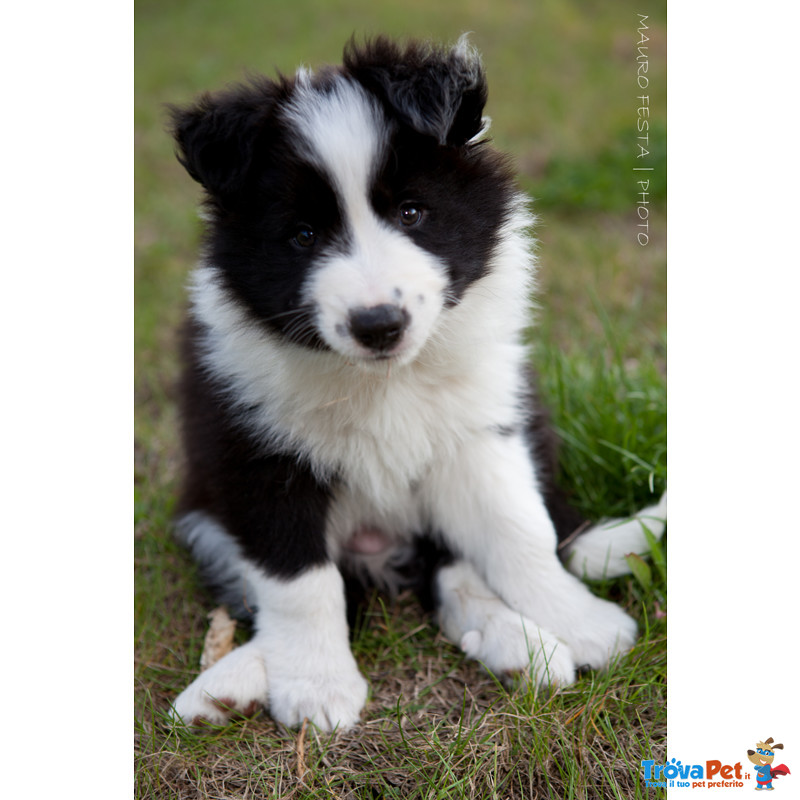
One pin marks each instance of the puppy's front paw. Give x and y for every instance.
(328, 700)
(510, 647)
(603, 632)
(235, 685)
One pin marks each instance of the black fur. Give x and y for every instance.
(271, 502)
(430, 90)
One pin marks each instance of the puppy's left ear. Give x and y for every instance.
(436, 92)
(217, 136)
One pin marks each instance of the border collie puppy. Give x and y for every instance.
(356, 401)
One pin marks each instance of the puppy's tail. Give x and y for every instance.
(600, 551)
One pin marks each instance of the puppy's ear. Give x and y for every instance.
(436, 92)
(217, 135)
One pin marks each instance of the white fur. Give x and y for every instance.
(343, 132)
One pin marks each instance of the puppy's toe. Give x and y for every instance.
(330, 702)
(514, 648)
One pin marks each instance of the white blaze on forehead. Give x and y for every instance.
(342, 131)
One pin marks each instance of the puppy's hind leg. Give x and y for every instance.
(236, 684)
(602, 550)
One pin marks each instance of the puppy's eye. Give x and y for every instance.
(410, 215)
(304, 237)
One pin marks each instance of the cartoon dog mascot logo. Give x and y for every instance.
(762, 757)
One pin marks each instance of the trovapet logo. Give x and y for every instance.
(675, 774)
(716, 774)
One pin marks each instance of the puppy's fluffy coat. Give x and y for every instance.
(356, 396)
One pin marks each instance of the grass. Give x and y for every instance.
(435, 726)
(563, 101)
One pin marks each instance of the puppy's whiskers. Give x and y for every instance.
(333, 402)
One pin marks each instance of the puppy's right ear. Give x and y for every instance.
(436, 91)
(217, 136)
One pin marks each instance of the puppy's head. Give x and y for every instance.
(349, 209)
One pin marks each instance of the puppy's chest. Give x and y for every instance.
(381, 434)
(385, 436)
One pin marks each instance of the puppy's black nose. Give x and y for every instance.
(380, 327)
